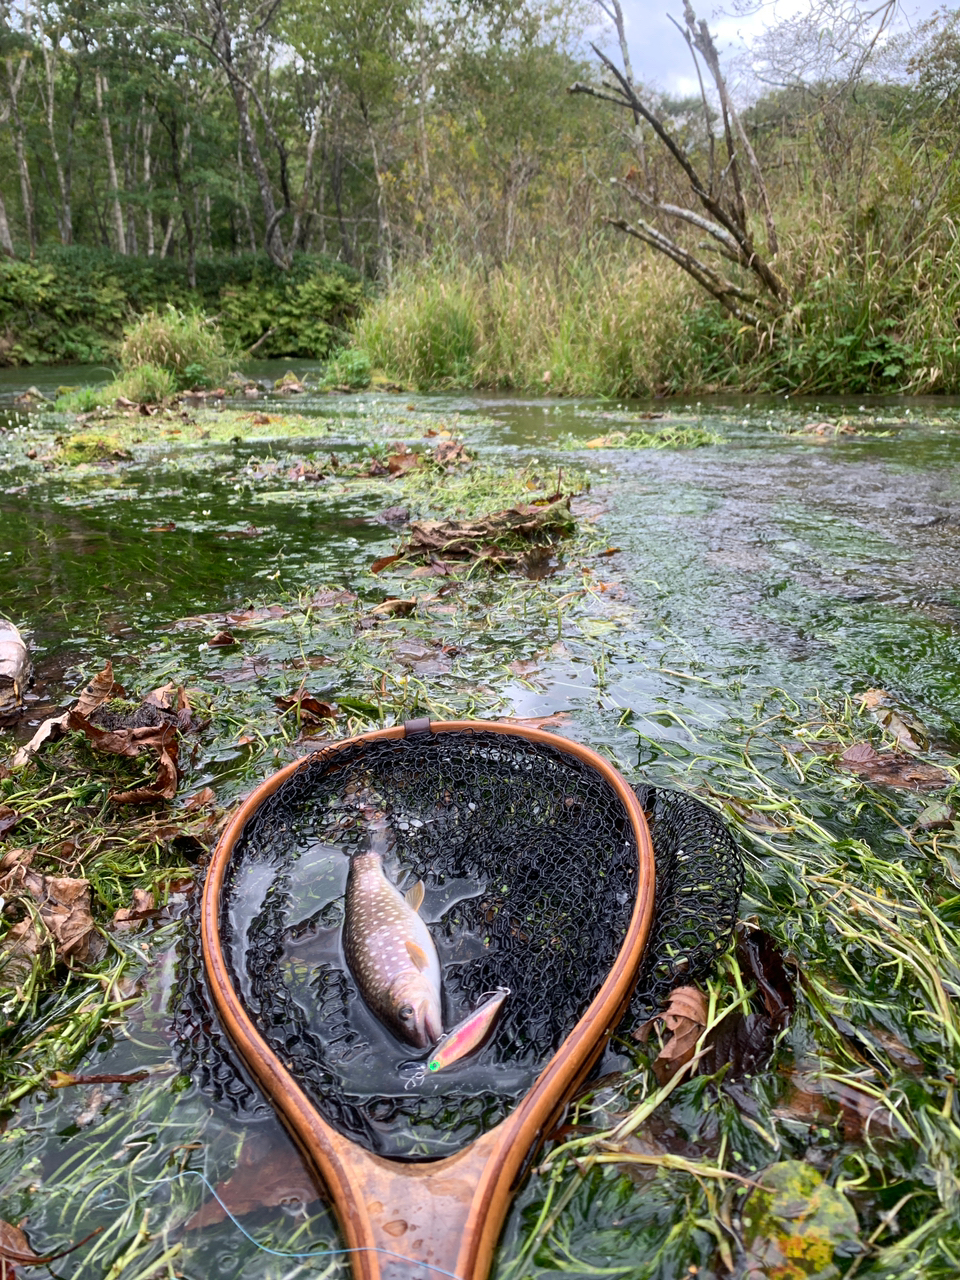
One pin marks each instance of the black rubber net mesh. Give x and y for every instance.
(529, 867)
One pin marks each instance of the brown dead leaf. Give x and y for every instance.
(524, 666)
(63, 905)
(127, 919)
(537, 722)
(402, 461)
(504, 537)
(199, 799)
(310, 709)
(169, 527)
(267, 1174)
(685, 1017)
(98, 691)
(893, 768)
(222, 640)
(393, 608)
(451, 453)
(8, 819)
(900, 723)
(383, 563)
(15, 1250)
(64, 1079)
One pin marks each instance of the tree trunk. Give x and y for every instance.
(12, 113)
(272, 240)
(148, 186)
(100, 84)
(6, 240)
(384, 232)
(64, 212)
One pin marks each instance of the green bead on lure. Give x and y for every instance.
(468, 1036)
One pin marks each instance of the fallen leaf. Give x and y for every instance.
(383, 563)
(126, 919)
(404, 460)
(449, 453)
(900, 723)
(745, 1041)
(15, 1250)
(504, 537)
(893, 768)
(937, 815)
(796, 1224)
(393, 515)
(162, 528)
(8, 819)
(393, 608)
(685, 1017)
(268, 1173)
(199, 799)
(64, 1079)
(222, 640)
(310, 710)
(523, 667)
(537, 722)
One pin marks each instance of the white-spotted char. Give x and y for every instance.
(469, 1034)
(390, 952)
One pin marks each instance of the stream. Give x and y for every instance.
(767, 578)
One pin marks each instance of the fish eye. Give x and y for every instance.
(405, 1012)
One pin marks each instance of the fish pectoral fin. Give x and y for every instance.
(418, 956)
(414, 896)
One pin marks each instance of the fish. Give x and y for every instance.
(15, 672)
(389, 949)
(469, 1034)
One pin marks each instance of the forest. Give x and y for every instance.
(419, 182)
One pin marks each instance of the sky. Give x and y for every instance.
(661, 58)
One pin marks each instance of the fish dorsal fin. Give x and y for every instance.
(414, 896)
(418, 956)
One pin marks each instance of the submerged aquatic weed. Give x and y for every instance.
(668, 437)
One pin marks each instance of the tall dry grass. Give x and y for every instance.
(608, 327)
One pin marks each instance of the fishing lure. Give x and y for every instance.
(468, 1035)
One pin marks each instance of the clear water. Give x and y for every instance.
(768, 562)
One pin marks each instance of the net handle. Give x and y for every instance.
(442, 1214)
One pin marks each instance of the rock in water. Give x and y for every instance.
(14, 672)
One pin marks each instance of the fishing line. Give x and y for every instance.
(282, 1253)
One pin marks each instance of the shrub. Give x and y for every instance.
(349, 368)
(185, 345)
(81, 399)
(146, 383)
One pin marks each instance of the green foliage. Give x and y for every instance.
(184, 345)
(300, 316)
(350, 367)
(148, 384)
(71, 305)
(82, 400)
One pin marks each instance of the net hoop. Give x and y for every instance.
(455, 1206)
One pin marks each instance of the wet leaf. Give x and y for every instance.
(222, 640)
(900, 723)
(14, 1250)
(64, 1079)
(503, 536)
(893, 768)
(98, 691)
(392, 608)
(8, 819)
(199, 799)
(169, 527)
(796, 1225)
(537, 722)
(310, 709)
(524, 667)
(745, 1041)
(401, 462)
(936, 815)
(266, 1176)
(684, 1018)
(393, 515)
(383, 563)
(127, 919)
(63, 905)
(449, 453)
